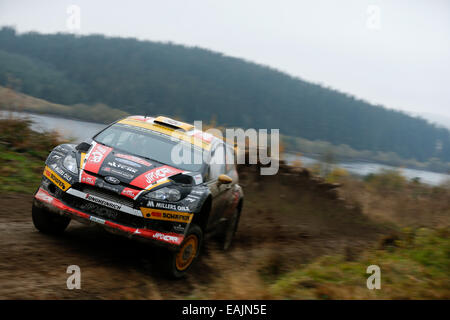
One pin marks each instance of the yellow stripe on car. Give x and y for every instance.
(166, 215)
(158, 184)
(83, 156)
(56, 179)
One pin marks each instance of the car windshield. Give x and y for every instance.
(152, 145)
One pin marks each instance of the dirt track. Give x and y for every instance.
(274, 235)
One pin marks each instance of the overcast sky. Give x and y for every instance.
(395, 53)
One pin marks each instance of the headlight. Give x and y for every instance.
(165, 194)
(70, 163)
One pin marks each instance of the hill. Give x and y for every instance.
(147, 77)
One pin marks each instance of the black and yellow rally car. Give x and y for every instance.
(155, 179)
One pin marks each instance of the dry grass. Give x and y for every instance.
(389, 197)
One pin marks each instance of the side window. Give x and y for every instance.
(217, 164)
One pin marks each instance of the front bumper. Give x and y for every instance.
(170, 240)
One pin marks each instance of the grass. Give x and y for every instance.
(22, 155)
(19, 172)
(390, 197)
(416, 267)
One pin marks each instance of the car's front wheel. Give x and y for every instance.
(48, 222)
(175, 263)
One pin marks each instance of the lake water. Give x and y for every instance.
(365, 168)
(81, 130)
(69, 129)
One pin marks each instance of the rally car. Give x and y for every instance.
(149, 178)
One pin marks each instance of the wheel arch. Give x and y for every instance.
(201, 218)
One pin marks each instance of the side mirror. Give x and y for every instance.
(83, 147)
(224, 179)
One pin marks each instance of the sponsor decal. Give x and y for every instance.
(114, 164)
(153, 176)
(96, 158)
(151, 213)
(128, 162)
(168, 206)
(190, 199)
(166, 237)
(134, 159)
(109, 204)
(160, 173)
(56, 179)
(120, 173)
(88, 179)
(199, 192)
(130, 193)
(61, 172)
(178, 228)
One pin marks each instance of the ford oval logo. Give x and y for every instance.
(112, 180)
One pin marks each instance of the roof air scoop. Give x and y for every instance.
(171, 123)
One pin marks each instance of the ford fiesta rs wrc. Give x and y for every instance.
(154, 179)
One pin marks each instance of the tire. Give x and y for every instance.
(48, 222)
(175, 264)
(230, 230)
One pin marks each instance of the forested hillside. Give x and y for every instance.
(146, 77)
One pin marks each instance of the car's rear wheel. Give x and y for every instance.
(231, 230)
(175, 264)
(48, 222)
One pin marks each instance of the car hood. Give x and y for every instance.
(117, 167)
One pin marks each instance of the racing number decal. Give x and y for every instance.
(96, 158)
